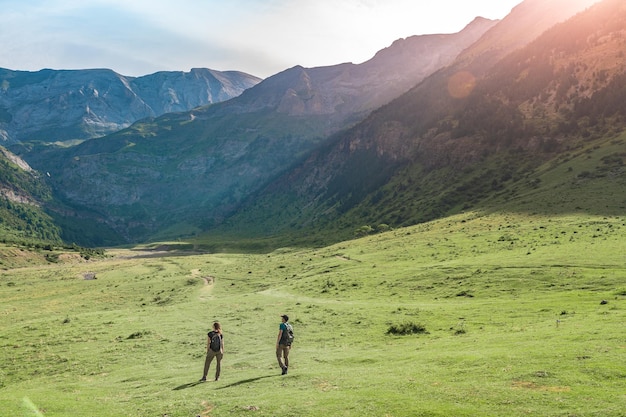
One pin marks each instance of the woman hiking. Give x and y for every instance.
(214, 349)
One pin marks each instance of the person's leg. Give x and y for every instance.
(279, 354)
(207, 363)
(286, 350)
(286, 355)
(218, 365)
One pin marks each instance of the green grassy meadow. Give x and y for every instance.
(516, 315)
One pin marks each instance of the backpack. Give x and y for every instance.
(216, 342)
(289, 337)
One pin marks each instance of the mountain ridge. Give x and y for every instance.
(218, 154)
(407, 163)
(65, 105)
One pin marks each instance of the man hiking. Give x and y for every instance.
(283, 343)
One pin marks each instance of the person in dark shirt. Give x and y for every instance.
(283, 345)
(214, 349)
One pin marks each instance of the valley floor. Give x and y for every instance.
(485, 315)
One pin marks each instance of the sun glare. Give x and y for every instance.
(461, 84)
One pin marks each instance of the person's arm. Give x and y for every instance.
(221, 344)
(280, 335)
(208, 344)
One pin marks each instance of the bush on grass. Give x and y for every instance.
(406, 328)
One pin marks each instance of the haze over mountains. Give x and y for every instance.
(455, 118)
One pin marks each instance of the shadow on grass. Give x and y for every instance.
(234, 384)
(247, 381)
(189, 385)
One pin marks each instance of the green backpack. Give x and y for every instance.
(288, 337)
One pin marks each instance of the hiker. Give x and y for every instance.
(214, 349)
(283, 343)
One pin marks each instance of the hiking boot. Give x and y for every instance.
(284, 371)
(203, 379)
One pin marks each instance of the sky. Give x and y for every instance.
(259, 37)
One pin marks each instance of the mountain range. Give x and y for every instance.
(190, 170)
(430, 126)
(74, 105)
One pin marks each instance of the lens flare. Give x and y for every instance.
(461, 84)
(32, 407)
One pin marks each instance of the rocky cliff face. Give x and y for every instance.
(167, 92)
(50, 105)
(9, 188)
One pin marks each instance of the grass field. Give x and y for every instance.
(514, 315)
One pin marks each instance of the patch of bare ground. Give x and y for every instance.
(534, 386)
(71, 258)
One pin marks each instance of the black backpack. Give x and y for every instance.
(216, 342)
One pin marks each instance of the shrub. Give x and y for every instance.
(139, 335)
(363, 231)
(52, 257)
(406, 328)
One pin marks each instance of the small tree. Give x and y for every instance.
(383, 228)
(363, 231)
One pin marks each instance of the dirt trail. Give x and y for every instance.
(208, 282)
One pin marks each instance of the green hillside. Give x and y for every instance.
(589, 179)
(23, 194)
